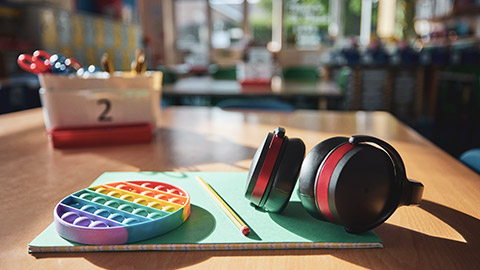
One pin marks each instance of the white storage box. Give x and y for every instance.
(116, 99)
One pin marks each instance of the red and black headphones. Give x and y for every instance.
(357, 182)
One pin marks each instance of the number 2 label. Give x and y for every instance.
(103, 117)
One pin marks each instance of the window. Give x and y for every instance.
(204, 29)
(260, 21)
(306, 23)
(192, 31)
(227, 22)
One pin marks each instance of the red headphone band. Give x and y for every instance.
(266, 170)
(324, 177)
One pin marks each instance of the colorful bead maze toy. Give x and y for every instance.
(121, 212)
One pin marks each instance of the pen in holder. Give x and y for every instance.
(104, 109)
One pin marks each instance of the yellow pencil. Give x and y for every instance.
(230, 213)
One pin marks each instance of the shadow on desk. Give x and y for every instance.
(170, 147)
(404, 249)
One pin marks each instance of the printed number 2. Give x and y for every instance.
(108, 105)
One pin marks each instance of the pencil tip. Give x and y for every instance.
(245, 230)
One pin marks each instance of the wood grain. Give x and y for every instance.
(442, 233)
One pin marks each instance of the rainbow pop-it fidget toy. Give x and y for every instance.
(121, 212)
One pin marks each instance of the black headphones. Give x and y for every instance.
(357, 182)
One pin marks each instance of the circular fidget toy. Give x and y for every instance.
(121, 212)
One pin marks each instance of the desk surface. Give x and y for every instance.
(442, 233)
(204, 85)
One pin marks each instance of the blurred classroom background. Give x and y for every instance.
(417, 59)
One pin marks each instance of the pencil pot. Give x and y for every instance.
(109, 109)
(357, 182)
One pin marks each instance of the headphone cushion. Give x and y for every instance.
(257, 164)
(285, 175)
(309, 170)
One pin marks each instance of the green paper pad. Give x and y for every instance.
(209, 228)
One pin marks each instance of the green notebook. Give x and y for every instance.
(209, 228)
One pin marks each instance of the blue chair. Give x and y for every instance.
(256, 104)
(471, 158)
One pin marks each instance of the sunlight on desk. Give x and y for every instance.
(20, 121)
(442, 231)
(435, 227)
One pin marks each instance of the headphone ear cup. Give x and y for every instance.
(285, 175)
(309, 171)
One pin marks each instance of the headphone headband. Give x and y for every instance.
(397, 160)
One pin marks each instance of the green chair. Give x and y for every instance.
(223, 73)
(169, 76)
(301, 73)
(343, 77)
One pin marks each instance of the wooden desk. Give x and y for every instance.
(207, 87)
(444, 232)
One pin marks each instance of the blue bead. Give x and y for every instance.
(87, 70)
(57, 61)
(93, 69)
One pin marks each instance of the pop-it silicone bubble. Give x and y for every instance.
(122, 212)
